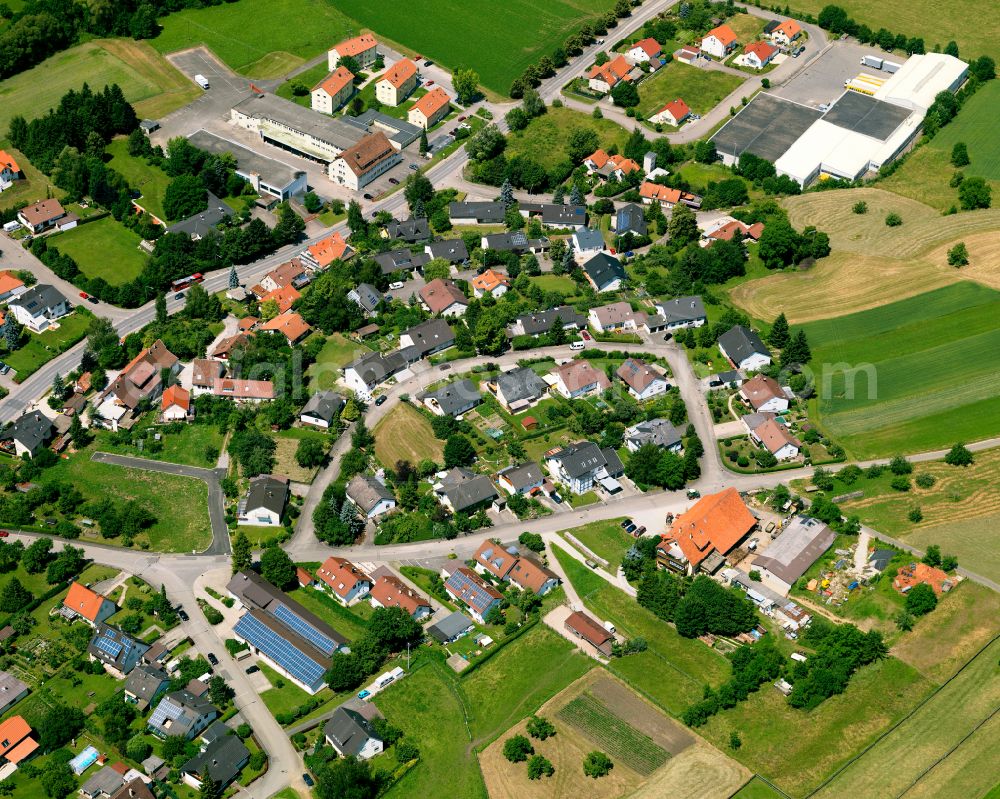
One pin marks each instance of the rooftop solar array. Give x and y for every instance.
(167, 710)
(766, 127)
(109, 646)
(279, 650)
(866, 115)
(473, 594)
(324, 643)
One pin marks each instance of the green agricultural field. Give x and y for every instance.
(257, 38)
(151, 181)
(404, 434)
(701, 89)
(104, 248)
(546, 137)
(757, 789)
(912, 375)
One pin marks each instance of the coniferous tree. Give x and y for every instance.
(779, 334)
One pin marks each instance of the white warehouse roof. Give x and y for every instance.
(921, 77)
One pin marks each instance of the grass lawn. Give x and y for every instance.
(546, 137)
(606, 539)
(287, 443)
(349, 622)
(309, 78)
(255, 37)
(150, 180)
(582, 500)
(701, 89)
(400, 111)
(286, 698)
(336, 353)
(404, 434)
(43, 347)
(187, 447)
(104, 248)
(747, 27)
(757, 789)
(35, 185)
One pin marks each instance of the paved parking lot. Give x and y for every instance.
(822, 81)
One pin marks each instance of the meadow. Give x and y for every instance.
(606, 539)
(41, 348)
(701, 89)
(545, 138)
(151, 181)
(338, 351)
(404, 434)
(104, 248)
(912, 375)
(35, 186)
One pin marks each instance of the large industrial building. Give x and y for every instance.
(859, 133)
(266, 175)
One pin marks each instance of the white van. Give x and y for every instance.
(577, 345)
(201, 80)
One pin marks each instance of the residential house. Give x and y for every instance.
(579, 466)
(519, 389)
(243, 391)
(630, 219)
(320, 255)
(10, 284)
(370, 496)
(465, 586)
(763, 393)
(265, 501)
(509, 565)
(758, 55)
(452, 399)
(523, 478)
(541, 322)
(666, 196)
(490, 282)
(181, 713)
(369, 371)
(644, 50)
(401, 260)
(477, 213)
(27, 434)
(141, 380)
(658, 432)
(587, 629)
(289, 324)
(430, 109)
(579, 378)
(605, 272)
(409, 230)
(606, 166)
(366, 297)
(453, 251)
(134, 788)
(703, 535)
(673, 113)
(604, 77)
(587, 243)
(688, 54)
(644, 381)
(42, 215)
(333, 91)
(790, 555)
(462, 491)
(175, 404)
(294, 641)
(117, 652)
(352, 735)
(719, 42)
(786, 32)
(144, 685)
(443, 298)
(450, 628)
(427, 338)
(322, 409)
(776, 439)
(359, 165)
(104, 782)
(516, 242)
(204, 373)
(84, 603)
(283, 298)
(9, 170)
(397, 83)
(220, 760)
(554, 215)
(12, 691)
(615, 316)
(530, 575)
(726, 229)
(391, 592)
(682, 312)
(16, 743)
(732, 378)
(347, 582)
(751, 421)
(744, 349)
(38, 307)
(361, 48)
(291, 273)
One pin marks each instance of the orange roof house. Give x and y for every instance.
(389, 591)
(15, 745)
(284, 296)
(716, 523)
(7, 162)
(325, 252)
(361, 48)
(10, 283)
(345, 579)
(334, 83)
(610, 73)
(728, 230)
(600, 161)
(87, 604)
(176, 396)
(787, 30)
(719, 41)
(290, 324)
(303, 576)
(400, 72)
(723, 33)
(490, 282)
(673, 113)
(667, 196)
(763, 51)
(649, 46)
(429, 108)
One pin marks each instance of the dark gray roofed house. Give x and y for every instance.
(102, 783)
(372, 369)
(367, 297)
(409, 230)
(462, 490)
(520, 387)
(120, 653)
(477, 213)
(28, 434)
(452, 399)
(351, 734)
(514, 242)
(554, 215)
(400, 259)
(605, 272)
(322, 408)
(39, 306)
(631, 219)
(221, 760)
(880, 559)
(370, 495)
(450, 628)
(588, 240)
(731, 379)
(217, 729)
(265, 501)
(682, 311)
(658, 432)
(744, 348)
(144, 684)
(612, 463)
(536, 324)
(201, 223)
(427, 338)
(578, 459)
(181, 713)
(521, 478)
(453, 251)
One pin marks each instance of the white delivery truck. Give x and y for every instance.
(872, 61)
(201, 80)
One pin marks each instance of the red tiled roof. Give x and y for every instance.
(490, 280)
(341, 575)
(400, 72)
(284, 296)
(6, 159)
(649, 46)
(12, 732)
(334, 83)
(762, 50)
(588, 629)
(598, 158)
(390, 591)
(355, 46)
(495, 559)
(82, 600)
(243, 389)
(716, 521)
(328, 250)
(441, 294)
(8, 280)
(790, 28)
(303, 575)
(290, 324)
(723, 33)
(432, 102)
(611, 72)
(176, 395)
(678, 109)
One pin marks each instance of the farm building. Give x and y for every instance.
(800, 545)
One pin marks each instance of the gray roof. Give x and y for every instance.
(800, 545)
(880, 558)
(580, 458)
(659, 432)
(554, 214)
(455, 398)
(221, 760)
(399, 131)
(434, 334)
(682, 309)
(178, 712)
(349, 730)
(376, 367)
(332, 130)
(145, 682)
(631, 219)
(395, 260)
(366, 295)
(483, 212)
(201, 223)
(730, 376)
(469, 489)
(516, 242)
(323, 405)
(588, 239)
(612, 462)
(30, 431)
(740, 343)
(755, 420)
(106, 781)
(542, 321)
(217, 729)
(267, 491)
(449, 627)
(452, 250)
(274, 173)
(604, 269)
(521, 384)
(409, 230)
(10, 687)
(523, 474)
(38, 298)
(366, 492)
(114, 647)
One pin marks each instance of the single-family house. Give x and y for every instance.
(643, 380)
(427, 338)
(430, 109)
(630, 218)
(732, 378)
(27, 434)
(135, 788)
(587, 243)
(181, 713)
(530, 575)
(775, 438)
(84, 603)
(347, 582)
(351, 734)
(397, 83)
(758, 55)
(644, 50)
(462, 491)
(450, 628)
(786, 32)
(320, 255)
(361, 48)
(38, 307)
(615, 316)
(360, 164)
(682, 312)
(763, 393)
(290, 273)
(282, 297)
(264, 502)
(719, 41)
(370, 496)
(605, 272)
(42, 215)
(579, 466)
(673, 113)
(465, 586)
(477, 213)
(604, 77)
(220, 759)
(658, 432)
(452, 399)
(789, 556)
(243, 391)
(175, 404)
(744, 349)
(727, 229)
(105, 782)
(519, 389)
(118, 652)
(391, 592)
(10, 170)
(494, 559)
(555, 215)
(411, 230)
(588, 629)
(606, 166)
(12, 691)
(579, 378)
(144, 685)
(366, 297)
(541, 322)
(490, 282)
(453, 251)
(322, 409)
(289, 324)
(667, 197)
(10, 284)
(703, 535)
(16, 743)
(522, 478)
(369, 371)
(400, 260)
(443, 298)
(333, 91)
(516, 242)
(204, 373)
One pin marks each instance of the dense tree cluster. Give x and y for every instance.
(840, 650)
(752, 667)
(389, 630)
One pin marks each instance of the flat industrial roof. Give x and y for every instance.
(303, 120)
(766, 127)
(866, 115)
(272, 172)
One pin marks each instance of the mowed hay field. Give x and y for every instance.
(871, 263)
(942, 750)
(405, 435)
(546, 137)
(911, 376)
(103, 248)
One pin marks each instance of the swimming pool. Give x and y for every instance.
(83, 761)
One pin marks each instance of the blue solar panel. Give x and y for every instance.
(321, 641)
(279, 650)
(109, 646)
(167, 709)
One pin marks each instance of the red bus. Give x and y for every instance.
(184, 282)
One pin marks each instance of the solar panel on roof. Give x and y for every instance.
(323, 642)
(519, 239)
(109, 646)
(279, 650)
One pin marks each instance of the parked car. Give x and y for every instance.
(212, 659)
(93, 300)
(84, 294)
(640, 531)
(252, 669)
(414, 166)
(364, 693)
(179, 295)
(585, 335)
(4, 534)
(668, 336)
(590, 563)
(4, 368)
(752, 544)
(769, 528)
(445, 367)
(396, 285)
(393, 181)
(381, 400)
(693, 493)
(367, 196)
(183, 614)
(626, 523)
(461, 118)
(714, 383)
(556, 498)
(428, 63)
(307, 780)
(429, 83)
(630, 529)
